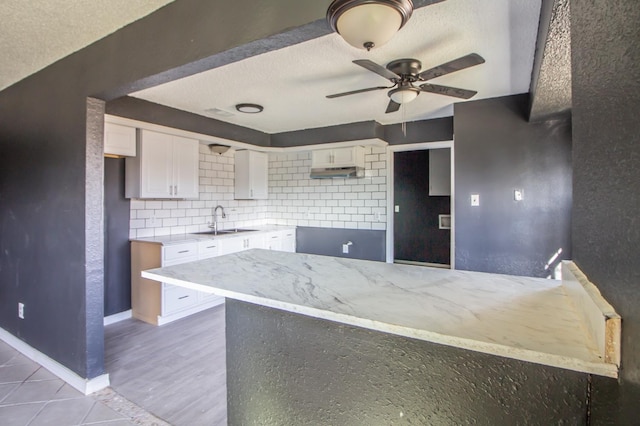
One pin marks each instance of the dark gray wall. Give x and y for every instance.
(340, 133)
(438, 129)
(606, 194)
(367, 244)
(51, 175)
(497, 151)
(295, 370)
(117, 250)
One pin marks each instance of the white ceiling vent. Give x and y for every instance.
(219, 112)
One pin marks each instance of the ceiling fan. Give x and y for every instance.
(404, 73)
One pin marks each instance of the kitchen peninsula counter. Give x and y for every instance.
(528, 319)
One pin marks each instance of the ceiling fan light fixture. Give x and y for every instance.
(249, 108)
(404, 95)
(365, 24)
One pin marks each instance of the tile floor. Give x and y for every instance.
(31, 395)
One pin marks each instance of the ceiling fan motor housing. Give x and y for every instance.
(406, 68)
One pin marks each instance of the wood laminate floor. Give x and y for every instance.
(176, 371)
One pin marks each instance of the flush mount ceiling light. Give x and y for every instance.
(366, 24)
(249, 108)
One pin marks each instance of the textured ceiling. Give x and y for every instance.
(291, 83)
(36, 33)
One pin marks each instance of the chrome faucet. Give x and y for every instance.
(214, 225)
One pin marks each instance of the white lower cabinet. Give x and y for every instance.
(160, 303)
(281, 241)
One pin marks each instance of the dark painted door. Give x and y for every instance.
(117, 252)
(417, 235)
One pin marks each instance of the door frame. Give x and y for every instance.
(391, 150)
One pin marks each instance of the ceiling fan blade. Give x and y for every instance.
(353, 92)
(452, 66)
(378, 69)
(448, 91)
(392, 107)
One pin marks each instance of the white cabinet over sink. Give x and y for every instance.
(166, 167)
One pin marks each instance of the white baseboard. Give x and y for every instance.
(120, 316)
(86, 386)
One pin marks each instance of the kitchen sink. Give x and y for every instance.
(226, 231)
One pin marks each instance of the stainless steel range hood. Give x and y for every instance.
(337, 172)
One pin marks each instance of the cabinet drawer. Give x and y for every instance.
(180, 251)
(177, 298)
(208, 248)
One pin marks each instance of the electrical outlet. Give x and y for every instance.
(345, 247)
(376, 217)
(475, 200)
(20, 310)
(518, 194)
(396, 209)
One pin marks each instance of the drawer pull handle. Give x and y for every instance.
(184, 251)
(211, 246)
(275, 236)
(183, 297)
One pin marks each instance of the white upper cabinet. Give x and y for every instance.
(119, 140)
(352, 156)
(440, 171)
(251, 175)
(166, 167)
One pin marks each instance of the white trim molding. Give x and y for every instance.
(86, 386)
(120, 316)
(391, 149)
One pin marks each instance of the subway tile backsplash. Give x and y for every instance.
(294, 198)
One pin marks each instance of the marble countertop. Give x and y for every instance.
(182, 238)
(529, 319)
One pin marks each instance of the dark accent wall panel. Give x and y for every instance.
(339, 133)
(606, 196)
(43, 145)
(149, 112)
(117, 249)
(290, 369)
(496, 152)
(367, 244)
(437, 129)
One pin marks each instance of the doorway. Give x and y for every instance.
(420, 204)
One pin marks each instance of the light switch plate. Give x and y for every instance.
(396, 209)
(475, 200)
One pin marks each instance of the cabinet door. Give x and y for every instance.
(251, 175)
(343, 157)
(322, 158)
(231, 245)
(440, 171)
(289, 241)
(156, 168)
(185, 168)
(119, 140)
(242, 176)
(273, 241)
(259, 175)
